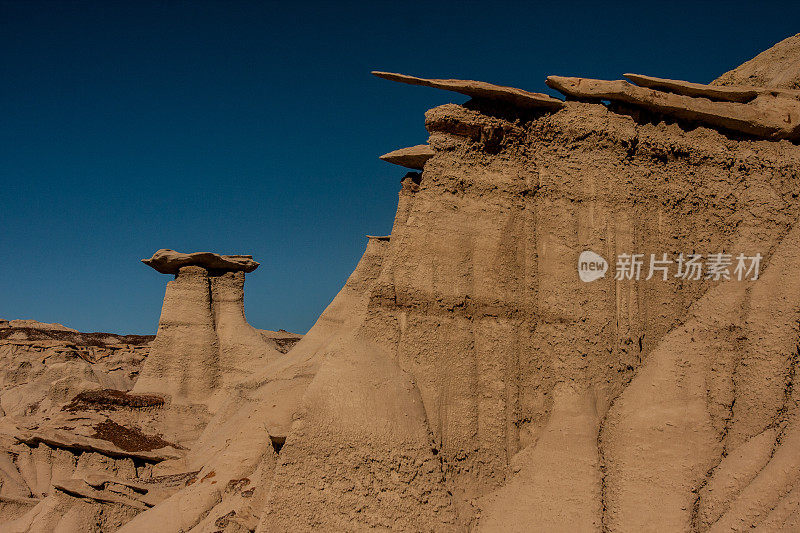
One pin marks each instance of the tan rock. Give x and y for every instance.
(70, 441)
(242, 349)
(282, 341)
(79, 488)
(413, 157)
(169, 261)
(11, 507)
(712, 92)
(34, 324)
(777, 67)
(184, 357)
(727, 93)
(563, 468)
(41, 375)
(480, 89)
(204, 345)
(767, 117)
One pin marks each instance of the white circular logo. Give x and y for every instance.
(591, 266)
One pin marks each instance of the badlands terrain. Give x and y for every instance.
(465, 378)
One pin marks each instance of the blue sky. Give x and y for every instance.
(254, 127)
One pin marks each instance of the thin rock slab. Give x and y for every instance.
(726, 93)
(480, 89)
(413, 157)
(169, 261)
(766, 117)
(63, 440)
(80, 489)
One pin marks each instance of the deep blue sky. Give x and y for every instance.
(254, 127)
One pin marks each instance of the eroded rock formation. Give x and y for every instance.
(56, 388)
(40, 368)
(412, 157)
(480, 89)
(170, 262)
(767, 114)
(78, 450)
(204, 344)
(464, 378)
(777, 67)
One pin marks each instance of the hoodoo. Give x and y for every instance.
(204, 343)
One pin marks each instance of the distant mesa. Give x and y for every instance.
(413, 157)
(169, 261)
(34, 324)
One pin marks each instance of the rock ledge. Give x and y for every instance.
(169, 261)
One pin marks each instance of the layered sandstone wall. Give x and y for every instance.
(184, 360)
(242, 349)
(479, 296)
